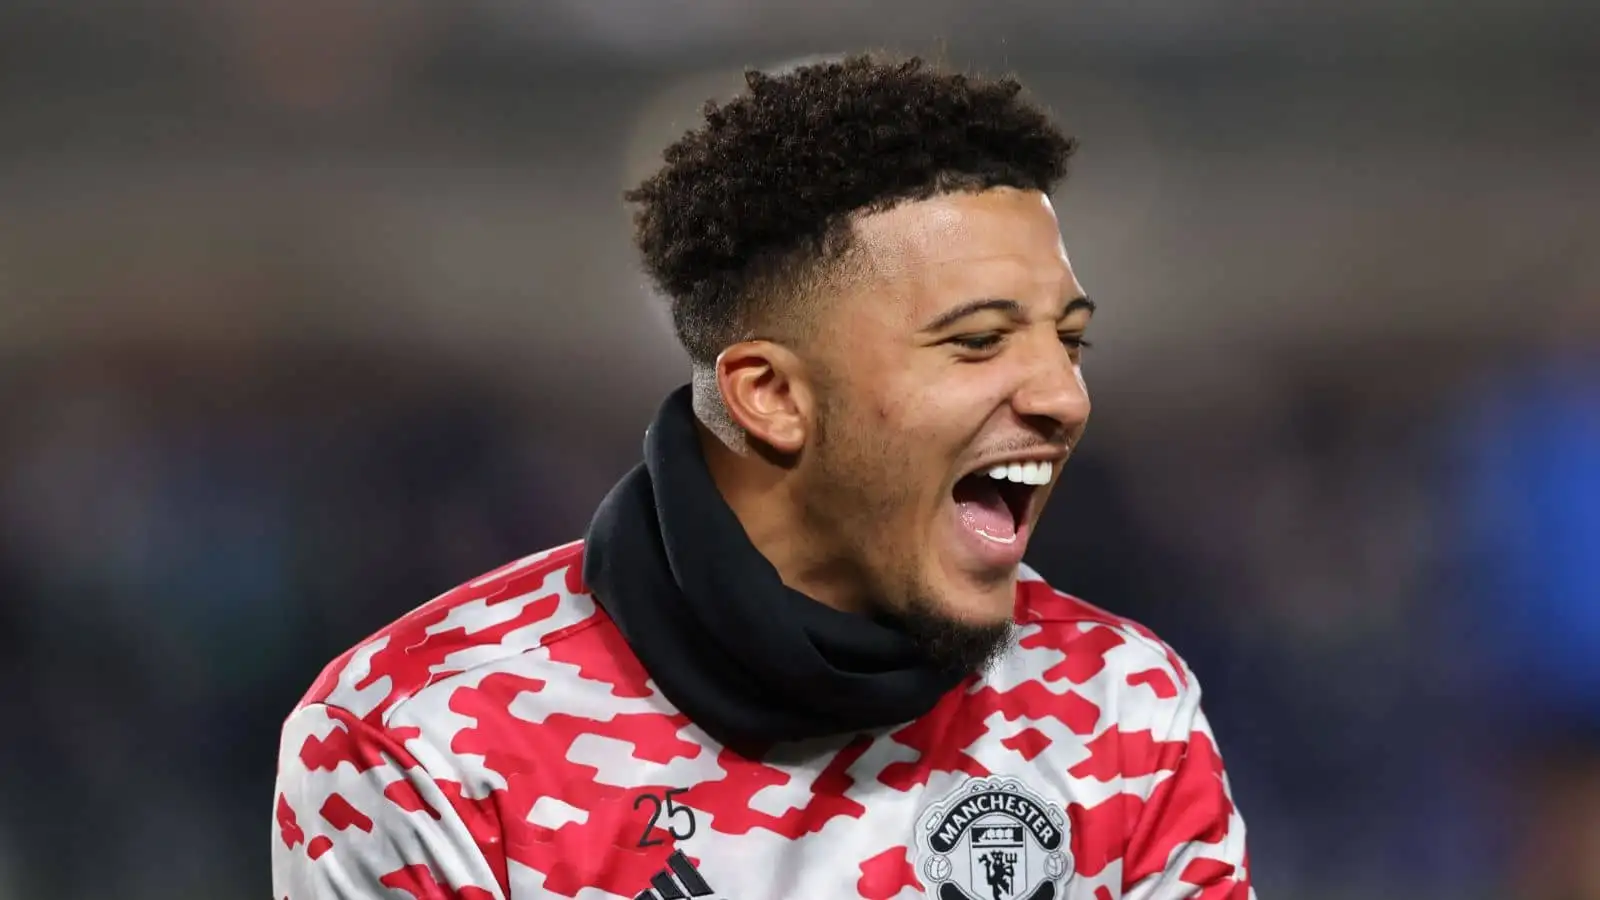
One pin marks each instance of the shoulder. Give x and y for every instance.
(1090, 642)
(491, 620)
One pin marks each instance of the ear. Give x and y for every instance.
(765, 391)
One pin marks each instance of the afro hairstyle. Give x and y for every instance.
(751, 207)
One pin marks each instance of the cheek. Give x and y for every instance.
(902, 433)
(941, 417)
(908, 431)
(883, 466)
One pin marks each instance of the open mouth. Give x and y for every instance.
(996, 503)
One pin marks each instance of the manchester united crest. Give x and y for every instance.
(993, 839)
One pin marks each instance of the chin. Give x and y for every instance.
(962, 630)
(980, 603)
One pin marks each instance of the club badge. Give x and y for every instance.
(993, 839)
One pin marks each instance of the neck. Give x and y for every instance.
(763, 498)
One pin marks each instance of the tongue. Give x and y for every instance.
(981, 508)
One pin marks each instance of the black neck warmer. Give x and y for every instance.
(746, 658)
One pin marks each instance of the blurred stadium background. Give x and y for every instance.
(309, 311)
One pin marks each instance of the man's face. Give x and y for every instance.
(953, 360)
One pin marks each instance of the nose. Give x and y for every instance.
(1052, 394)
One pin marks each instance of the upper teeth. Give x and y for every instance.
(1024, 473)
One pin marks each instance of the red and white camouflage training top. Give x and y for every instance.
(502, 741)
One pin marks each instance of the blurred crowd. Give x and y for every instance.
(288, 353)
(191, 540)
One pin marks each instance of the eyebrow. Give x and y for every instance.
(1011, 308)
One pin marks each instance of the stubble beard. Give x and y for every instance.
(949, 643)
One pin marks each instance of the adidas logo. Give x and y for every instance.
(680, 879)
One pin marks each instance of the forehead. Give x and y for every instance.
(929, 255)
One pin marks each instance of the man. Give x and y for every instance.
(797, 654)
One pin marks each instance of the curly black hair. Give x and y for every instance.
(750, 207)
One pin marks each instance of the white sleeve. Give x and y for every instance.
(356, 818)
(1189, 841)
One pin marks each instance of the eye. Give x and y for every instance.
(977, 343)
(1075, 342)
